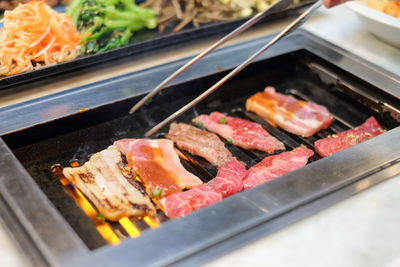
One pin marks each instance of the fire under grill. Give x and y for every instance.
(47, 148)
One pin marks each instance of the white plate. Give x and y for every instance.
(383, 26)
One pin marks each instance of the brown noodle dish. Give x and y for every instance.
(177, 14)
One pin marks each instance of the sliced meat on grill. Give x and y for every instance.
(201, 143)
(157, 164)
(274, 166)
(229, 180)
(111, 186)
(242, 133)
(295, 116)
(337, 142)
(180, 204)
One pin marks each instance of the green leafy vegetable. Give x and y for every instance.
(199, 123)
(110, 22)
(229, 141)
(100, 216)
(156, 192)
(222, 120)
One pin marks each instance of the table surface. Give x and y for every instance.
(359, 231)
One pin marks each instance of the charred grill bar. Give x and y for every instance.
(301, 66)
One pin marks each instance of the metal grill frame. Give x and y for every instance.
(48, 240)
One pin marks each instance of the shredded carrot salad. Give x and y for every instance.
(34, 35)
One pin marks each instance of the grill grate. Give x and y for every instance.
(113, 232)
(71, 141)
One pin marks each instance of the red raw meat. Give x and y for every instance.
(229, 181)
(337, 142)
(274, 166)
(243, 133)
(293, 115)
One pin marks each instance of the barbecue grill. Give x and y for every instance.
(56, 225)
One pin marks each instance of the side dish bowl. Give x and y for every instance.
(383, 26)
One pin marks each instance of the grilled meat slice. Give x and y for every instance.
(295, 116)
(201, 143)
(335, 143)
(243, 133)
(274, 166)
(157, 164)
(229, 180)
(111, 186)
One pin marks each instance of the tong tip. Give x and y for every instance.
(133, 109)
(139, 104)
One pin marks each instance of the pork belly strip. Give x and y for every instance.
(337, 142)
(157, 164)
(111, 186)
(295, 116)
(200, 143)
(229, 180)
(243, 133)
(274, 166)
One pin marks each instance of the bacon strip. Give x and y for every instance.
(295, 116)
(110, 185)
(157, 164)
(201, 143)
(274, 166)
(243, 133)
(337, 142)
(229, 181)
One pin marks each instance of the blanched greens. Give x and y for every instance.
(110, 22)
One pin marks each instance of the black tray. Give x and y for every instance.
(145, 40)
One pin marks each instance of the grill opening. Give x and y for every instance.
(45, 149)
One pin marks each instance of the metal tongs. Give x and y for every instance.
(277, 6)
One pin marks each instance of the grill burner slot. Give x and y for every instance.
(72, 140)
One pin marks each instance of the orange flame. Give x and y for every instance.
(129, 227)
(101, 226)
(151, 222)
